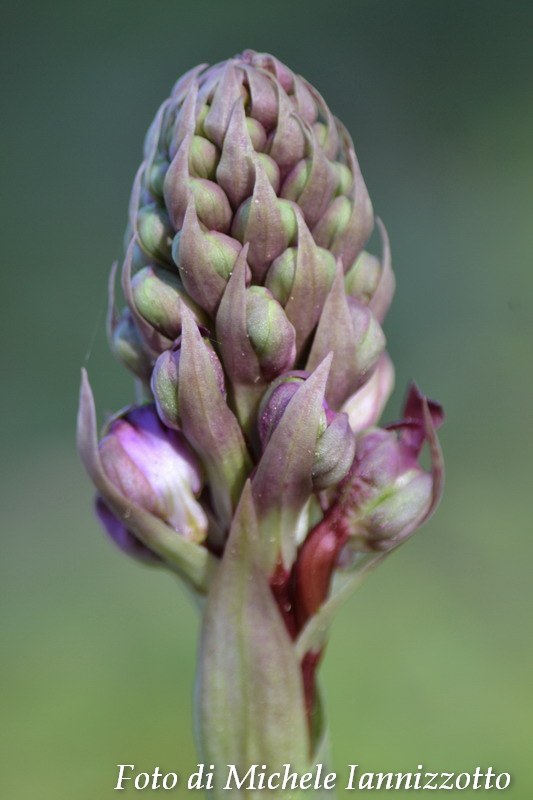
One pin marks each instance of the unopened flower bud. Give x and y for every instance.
(158, 294)
(371, 280)
(333, 223)
(156, 177)
(335, 444)
(275, 401)
(165, 382)
(154, 467)
(335, 449)
(369, 337)
(128, 347)
(280, 276)
(271, 334)
(362, 278)
(390, 490)
(155, 232)
(205, 260)
(203, 158)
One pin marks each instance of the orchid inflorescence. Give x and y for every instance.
(252, 466)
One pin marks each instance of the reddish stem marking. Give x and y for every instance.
(300, 592)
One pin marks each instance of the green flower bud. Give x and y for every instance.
(344, 178)
(280, 276)
(200, 119)
(158, 294)
(271, 334)
(156, 176)
(203, 158)
(212, 206)
(257, 134)
(362, 278)
(155, 232)
(369, 337)
(271, 170)
(334, 222)
(128, 347)
(165, 382)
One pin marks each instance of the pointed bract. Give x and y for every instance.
(209, 424)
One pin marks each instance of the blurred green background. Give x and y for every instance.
(431, 663)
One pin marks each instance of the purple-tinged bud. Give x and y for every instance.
(156, 177)
(272, 336)
(344, 178)
(212, 205)
(271, 170)
(155, 468)
(282, 272)
(124, 539)
(311, 184)
(199, 129)
(286, 144)
(263, 97)
(235, 171)
(371, 280)
(362, 278)
(158, 294)
(267, 223)
(128, 346)
(369, 337)
(165, 382)
(335, 449)
(257, 134)
(333, 222)
(349, 330)
(390, 490)
(388, 494)
(275, 401)
(335, 443)
(155, 232)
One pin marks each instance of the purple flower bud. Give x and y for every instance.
(335, 444)
(155, 468)
(274, 403)
(389, 492)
